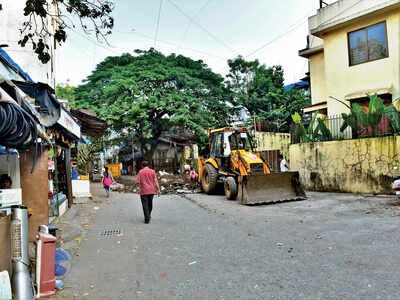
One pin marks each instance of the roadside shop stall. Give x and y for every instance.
(24, 147)
(23, 144)
(63, 134)
(62, 130)
(93, 128)
(10, 194)
(21, 128)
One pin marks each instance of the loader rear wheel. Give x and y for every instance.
(231, 188)
(209, 178)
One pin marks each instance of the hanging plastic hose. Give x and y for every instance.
(17, 128)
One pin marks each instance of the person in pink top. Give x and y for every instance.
(146, 179)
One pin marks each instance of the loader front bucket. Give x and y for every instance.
(274, 187)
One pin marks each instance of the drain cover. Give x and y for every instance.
(110, 232)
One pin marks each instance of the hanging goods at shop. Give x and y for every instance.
(21, 280)
(17, 127)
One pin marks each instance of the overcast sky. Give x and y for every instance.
(211, 30)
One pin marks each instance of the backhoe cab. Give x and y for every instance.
(234, 162)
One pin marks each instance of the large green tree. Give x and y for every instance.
(260, 91)
(149, 93)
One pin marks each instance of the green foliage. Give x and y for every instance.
(393, 115)
(353, 120)
(296, 118)
(315, 132)
(86, 155)
(260, 90)
(376, 112)
(93, 16)
(65, 91)
(151, 93)
(322, 133)
(359, 121)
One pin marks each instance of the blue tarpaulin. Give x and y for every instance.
(84, 141)
(15, 65)
(3, 151)
(299, 84)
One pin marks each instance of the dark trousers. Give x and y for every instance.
(147, 203)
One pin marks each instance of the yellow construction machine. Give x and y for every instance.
(246, 176)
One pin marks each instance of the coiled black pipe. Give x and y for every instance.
(17, 127)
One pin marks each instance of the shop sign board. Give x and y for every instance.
(69, 123)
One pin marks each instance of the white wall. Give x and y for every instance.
(344, 11)
(11, 19)
(9, 164)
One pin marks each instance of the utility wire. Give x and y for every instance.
(296, 25)
(190, 23)
(158, 23)
(149, 37)
(291, 28)
(201, 27)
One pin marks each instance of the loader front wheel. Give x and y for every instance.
(209, 178)
(231, 188)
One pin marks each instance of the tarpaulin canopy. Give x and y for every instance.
(14, 65)
(299, 84)
(90, 124)
(3, 151)
(44, 95)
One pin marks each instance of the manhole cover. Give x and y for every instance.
(110, 232)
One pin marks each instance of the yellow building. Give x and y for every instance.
(353, 50)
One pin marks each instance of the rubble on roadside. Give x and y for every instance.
(117, 187)
(176, 184)
(172, 184)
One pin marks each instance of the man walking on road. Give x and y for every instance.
(146, 179)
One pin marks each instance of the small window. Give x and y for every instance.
(368, 44)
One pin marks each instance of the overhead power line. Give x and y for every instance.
(202, 27)
(190, 22)
(146, 36)
(158, 23)
(291, 28)
(297, 25)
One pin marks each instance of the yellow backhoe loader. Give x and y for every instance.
(246, 176)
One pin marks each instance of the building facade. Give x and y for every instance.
(353, 50)
(11, 21)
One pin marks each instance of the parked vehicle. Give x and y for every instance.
(235, 163)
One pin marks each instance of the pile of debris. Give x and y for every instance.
(169, 184)
(172, 184)
(118, 187)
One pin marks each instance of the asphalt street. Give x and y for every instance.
(332, 246)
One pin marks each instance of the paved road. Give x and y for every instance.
(329, 247)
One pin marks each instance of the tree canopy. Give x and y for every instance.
(260, 91)
(150, 93)
(65, 91)
(93, 16)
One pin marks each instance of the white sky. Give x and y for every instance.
(221, 30)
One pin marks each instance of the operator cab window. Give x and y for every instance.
(217, 149)
(240, 141)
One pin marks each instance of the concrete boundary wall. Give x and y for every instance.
(355, 166)
(267, 141)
